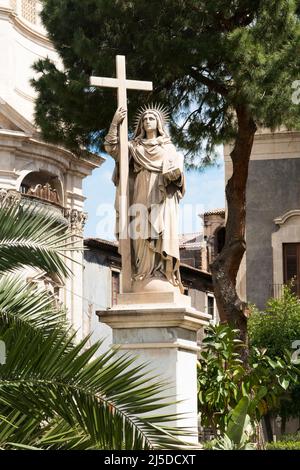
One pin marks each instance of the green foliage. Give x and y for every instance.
(223, 380)
(53, 393)
(278, 326)
(292, 437)
(276, 329)
(238, 421)
(30, 238)
(283, 445)
(239, 430)
(205, 59)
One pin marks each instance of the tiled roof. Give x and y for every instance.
(215, 212)
(196, 270)
(101, 241)
(190, 238)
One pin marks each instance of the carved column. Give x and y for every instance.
(74, 284)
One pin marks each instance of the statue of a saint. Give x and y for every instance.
(156, 187)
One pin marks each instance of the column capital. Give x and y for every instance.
(76, 219)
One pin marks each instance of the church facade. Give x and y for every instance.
(31, 170)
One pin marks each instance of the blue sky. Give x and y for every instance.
(204, 191)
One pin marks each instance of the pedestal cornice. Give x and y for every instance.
(154, 316)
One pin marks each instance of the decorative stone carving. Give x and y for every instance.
(44, 192)
(76, 219)
(13, 4)
(288, 232)
(50, 284)
(3, 193)
(29, 10)
(9, 197)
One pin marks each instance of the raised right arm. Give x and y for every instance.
(111, 141)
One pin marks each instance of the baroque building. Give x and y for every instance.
(32, 170)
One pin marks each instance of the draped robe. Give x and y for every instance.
(154, 201)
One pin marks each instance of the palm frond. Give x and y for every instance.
(22, 302)
(108, 399)
(53, 393)
(33, 237)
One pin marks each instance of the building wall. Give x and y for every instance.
(273, 189)
(23, 41)
(97, 296)
(100, 260)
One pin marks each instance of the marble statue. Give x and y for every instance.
(156, 183)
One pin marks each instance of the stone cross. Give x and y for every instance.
(122, 85)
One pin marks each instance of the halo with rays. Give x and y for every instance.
(158, 108)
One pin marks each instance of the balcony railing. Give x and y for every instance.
(44, 192)
(71, 217)
(276, 290)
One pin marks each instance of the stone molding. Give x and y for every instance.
(289, 232)
(16, 118)
(163, 345)
(76, 219)
(153, 316)
(283, 219)
(270, 146)
(173, 297)
(33, 31)
(36, 149)
(9, 197)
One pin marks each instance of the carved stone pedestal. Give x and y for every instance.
(161, 329)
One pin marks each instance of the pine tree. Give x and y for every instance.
(224, 69)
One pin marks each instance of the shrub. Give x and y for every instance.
(278, 326)
(223, 380)
(283, 445)
(276, 329)
(295, 437)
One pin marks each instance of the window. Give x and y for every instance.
(211, 306)
(221, 234)
(291, 265)
(115, 286)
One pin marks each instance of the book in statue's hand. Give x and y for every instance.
(173, 167)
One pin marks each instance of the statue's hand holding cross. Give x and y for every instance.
(119, 116)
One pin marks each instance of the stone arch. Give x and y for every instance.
(42, 184)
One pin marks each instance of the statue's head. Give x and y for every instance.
(151, 118)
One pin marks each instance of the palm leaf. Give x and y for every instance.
(26, 303)
(33, 237)
(107, 398)
(53, 393)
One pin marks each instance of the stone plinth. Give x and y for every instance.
(161, 329)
